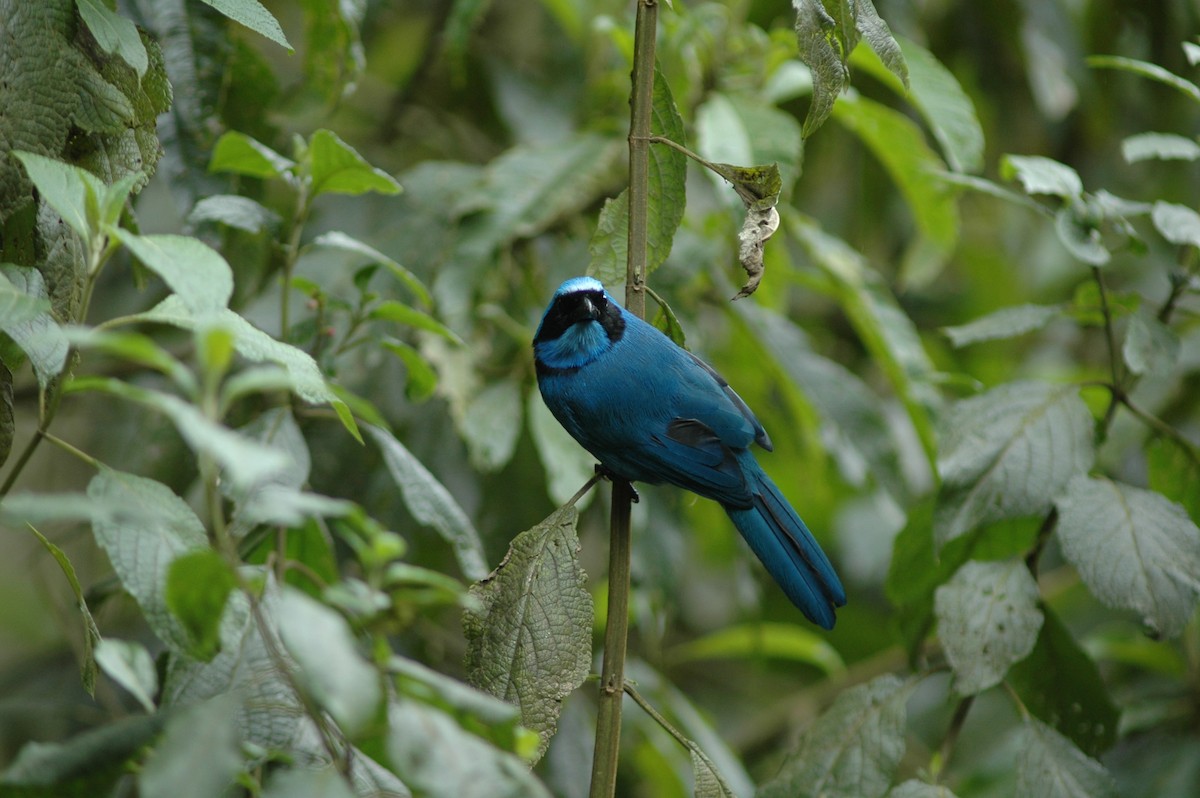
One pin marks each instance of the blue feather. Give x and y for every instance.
(652, 412)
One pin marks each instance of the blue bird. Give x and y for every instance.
(650, 411)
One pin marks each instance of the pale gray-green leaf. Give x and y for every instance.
(988, 619)
(920, 789)
(337, 240)
(194, 271)
(1133, 548)
(331, 669)
(114, 33)
(1159, 146)
(1150, 347)
(1008, 453)
(431, 504)
(1178, 224)
(1050, 766)
(1004, 323)
(129, 665)
(853, 749)
(491, 424)
(301, 783)
(567, 464)
(708, 782)
(25, 317)
(91, 634)
(435, 756)
(254, 16)
(1040, 175)
(142, 544)
(1080, 236)
(233, 210)
(531, 643)
(198, 755)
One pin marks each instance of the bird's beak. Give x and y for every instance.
(590, 308)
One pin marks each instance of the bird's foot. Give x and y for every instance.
(604, 471)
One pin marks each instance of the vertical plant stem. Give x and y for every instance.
(612, 676)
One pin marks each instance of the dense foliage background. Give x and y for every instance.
(975, 348)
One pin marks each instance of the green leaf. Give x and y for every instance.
(334, 58)
(129, 665)
(491, 423)
(878, 35)
(943, 104)
(142, 544)
(254, 16)
(733, 129)
(198, 585)
(307, 381)
(196, 272)
(87, 764)
(238, 153)
(666, 320)
(1159, 146)
(1146, 70)
(24, 318)
(91, 633)
(431, 504)
(1060, 684)
(198, 754)
(1049, 766)
(567, 464)
(435, 756)
(235, 211)
(1150, 347)
(824, 50)
(331, 668)
(68, 190)
(853, 749)
(884, 328)
(900, 146)
(988, 619)
(422, 379)
(493, 718)
(531, 641)
(1178, 224)
(337, 168)
(304, 783)
(1003, 323)
(1080, 236)
(1040, 175)
(706, 778)
(757, 640)
(242, 460)
(391, 310)
(115, 34)
(666, 186)
(1175, 473)
(920, 789)
(1008, 453)
(133, 348)
(1133, 548)
(366, 254)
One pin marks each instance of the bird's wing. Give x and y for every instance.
(722, 410)
(688, 453)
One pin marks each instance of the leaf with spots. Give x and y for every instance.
(530, 643)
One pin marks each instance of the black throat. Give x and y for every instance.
(581, 306)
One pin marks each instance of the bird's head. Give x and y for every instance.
(580, 324)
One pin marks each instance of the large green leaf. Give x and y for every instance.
(1009, 453)
(337, 168)
(68, 189)
(142, 545)
(531, 642)
(1049, 766)
(431, 504)
(198, 755)
(1133, 548)
(196, 272)
(305, 783)
(1060, 684)
(900, 146)
(666, 186)
(198, 586)
(331, 668)
(853, 749)
(254, 16)
(988, 619)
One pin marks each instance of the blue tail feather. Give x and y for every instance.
(787, 549)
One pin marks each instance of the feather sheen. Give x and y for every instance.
(652, 412)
